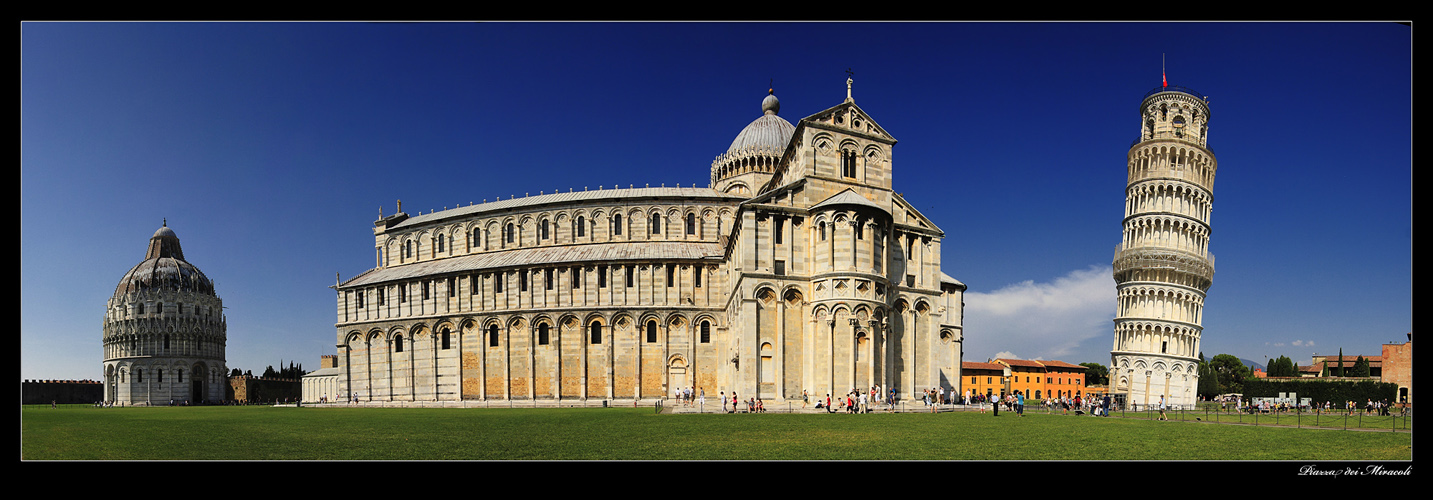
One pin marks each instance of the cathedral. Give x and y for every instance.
(798, 269)
(164, 332)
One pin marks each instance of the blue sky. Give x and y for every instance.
(271, 147)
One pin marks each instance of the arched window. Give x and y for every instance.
(508, 232)
(706, 332)
(398, 343)
(656, 223)
(544, 229)
(617, 224)
(493, 336)
(651, 330)
(408, 249)
(595, 332)
(542, 332)
(581, 226)
(692, 224)
(440, 243)
(446, 339)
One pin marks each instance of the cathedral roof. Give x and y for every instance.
(848, 197)
(164, 268)
(595, 196)
(548, 256)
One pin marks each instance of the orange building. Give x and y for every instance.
(984, 378)
(1064, 380)
(1039, 379)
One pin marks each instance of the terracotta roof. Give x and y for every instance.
(551, 255)
(1021, 362)
(976, 365)
(1060, 364)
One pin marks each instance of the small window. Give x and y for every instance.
(508, 233)
(498, 283)
(398, 343)
(601, 276)
(542, 333)
(651, 331)
(595, 333)
(581, 226)
(691, 224)
(617, 224)
(671, 276)
(776, 226)
(706, 332)
(544, 229)
(447, 339)
(425, 290)
(656, 223)
(697, 276)
(780, 268)
(402, 293)
(493, 336)
(576, 277)
(547, 278)
(440, 243)
(522, 281)
(629, 276)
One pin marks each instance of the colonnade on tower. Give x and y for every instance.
(1162, 265)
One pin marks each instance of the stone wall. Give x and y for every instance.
(34, 392)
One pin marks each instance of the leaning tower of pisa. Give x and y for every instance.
(1162, 267)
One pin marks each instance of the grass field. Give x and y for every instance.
(268, 433)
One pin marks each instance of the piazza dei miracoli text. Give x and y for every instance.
(797, 269)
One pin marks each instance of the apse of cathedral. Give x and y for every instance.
(798, 268)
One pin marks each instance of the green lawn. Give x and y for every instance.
(266, 433)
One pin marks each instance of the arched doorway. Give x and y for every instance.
(198, 390)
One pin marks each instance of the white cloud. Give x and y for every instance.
(1058, 320)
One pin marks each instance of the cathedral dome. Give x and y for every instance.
(753, 155)
(769, 132)
(164, 269)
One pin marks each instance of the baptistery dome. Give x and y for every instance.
(164, 332)
(164, 268)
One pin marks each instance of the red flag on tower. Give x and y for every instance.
(1163, 79)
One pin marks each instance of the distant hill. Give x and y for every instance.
(1252, 365)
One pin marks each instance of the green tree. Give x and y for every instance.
(1208, 380)
(1282, 367)
(1231, 373)
(1096, 374)
(1360, 368)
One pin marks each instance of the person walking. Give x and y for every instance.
(1161, 408)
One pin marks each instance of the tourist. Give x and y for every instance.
(1161, 407)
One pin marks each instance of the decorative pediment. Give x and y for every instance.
(849, 118)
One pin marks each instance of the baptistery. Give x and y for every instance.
(164, 331)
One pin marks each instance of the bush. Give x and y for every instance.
(1320, 390)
